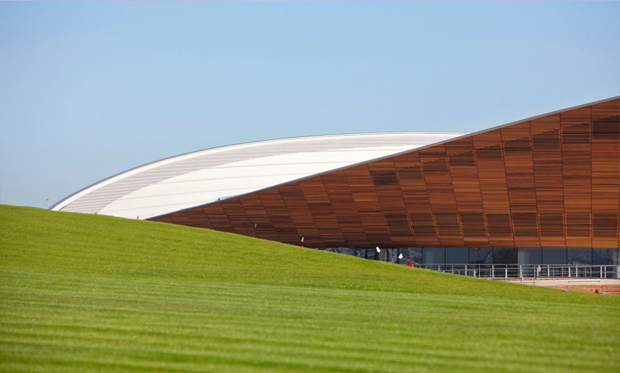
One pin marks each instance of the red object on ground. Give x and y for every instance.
(138, 217)
(409, 264)
(595, 291)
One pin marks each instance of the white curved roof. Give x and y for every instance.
(210, 175)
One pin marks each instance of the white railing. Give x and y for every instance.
(527, 270)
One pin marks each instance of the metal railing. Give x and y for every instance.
(527, 270)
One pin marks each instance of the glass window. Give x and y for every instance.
(345, 250)
(480, 255)
(393, 255)
(411, 253)
(505, 255)
(456, 255)
(434, 255)
(604, 256)
(383, 254)
(372, 254)
(554, 256)
(579, 256)
(528, 255)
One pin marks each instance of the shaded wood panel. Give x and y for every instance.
(345, 208)
(467, 192)
(577, 175)
(417, 199)
(605, 171)
(494, 187)
(436, 171)
(548, 171)
(520, 180)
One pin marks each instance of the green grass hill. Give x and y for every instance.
(95, 293)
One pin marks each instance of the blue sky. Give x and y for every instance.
(90, 89)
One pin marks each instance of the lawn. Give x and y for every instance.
(95, 293)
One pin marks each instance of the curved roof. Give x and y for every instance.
(207, 176)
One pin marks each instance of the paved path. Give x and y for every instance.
(606, 286)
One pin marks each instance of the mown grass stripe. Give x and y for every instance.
(90, 293)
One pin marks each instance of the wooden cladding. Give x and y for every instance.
(553, 181)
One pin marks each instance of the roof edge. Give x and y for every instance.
(60, 202)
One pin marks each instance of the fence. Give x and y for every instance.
(527, 270)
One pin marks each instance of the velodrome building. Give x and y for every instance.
(539, 193)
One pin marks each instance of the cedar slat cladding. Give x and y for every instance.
(520, 181)
(392, 204)
(416, 198)
(493, 186)
(577, 175)
(345, 209)
(552, 181)
(441, 194)
(605, 171)
(467, 193)
(547, 157)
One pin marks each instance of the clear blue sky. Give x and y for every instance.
(88, 90)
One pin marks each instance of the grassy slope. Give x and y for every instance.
(97, 293)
